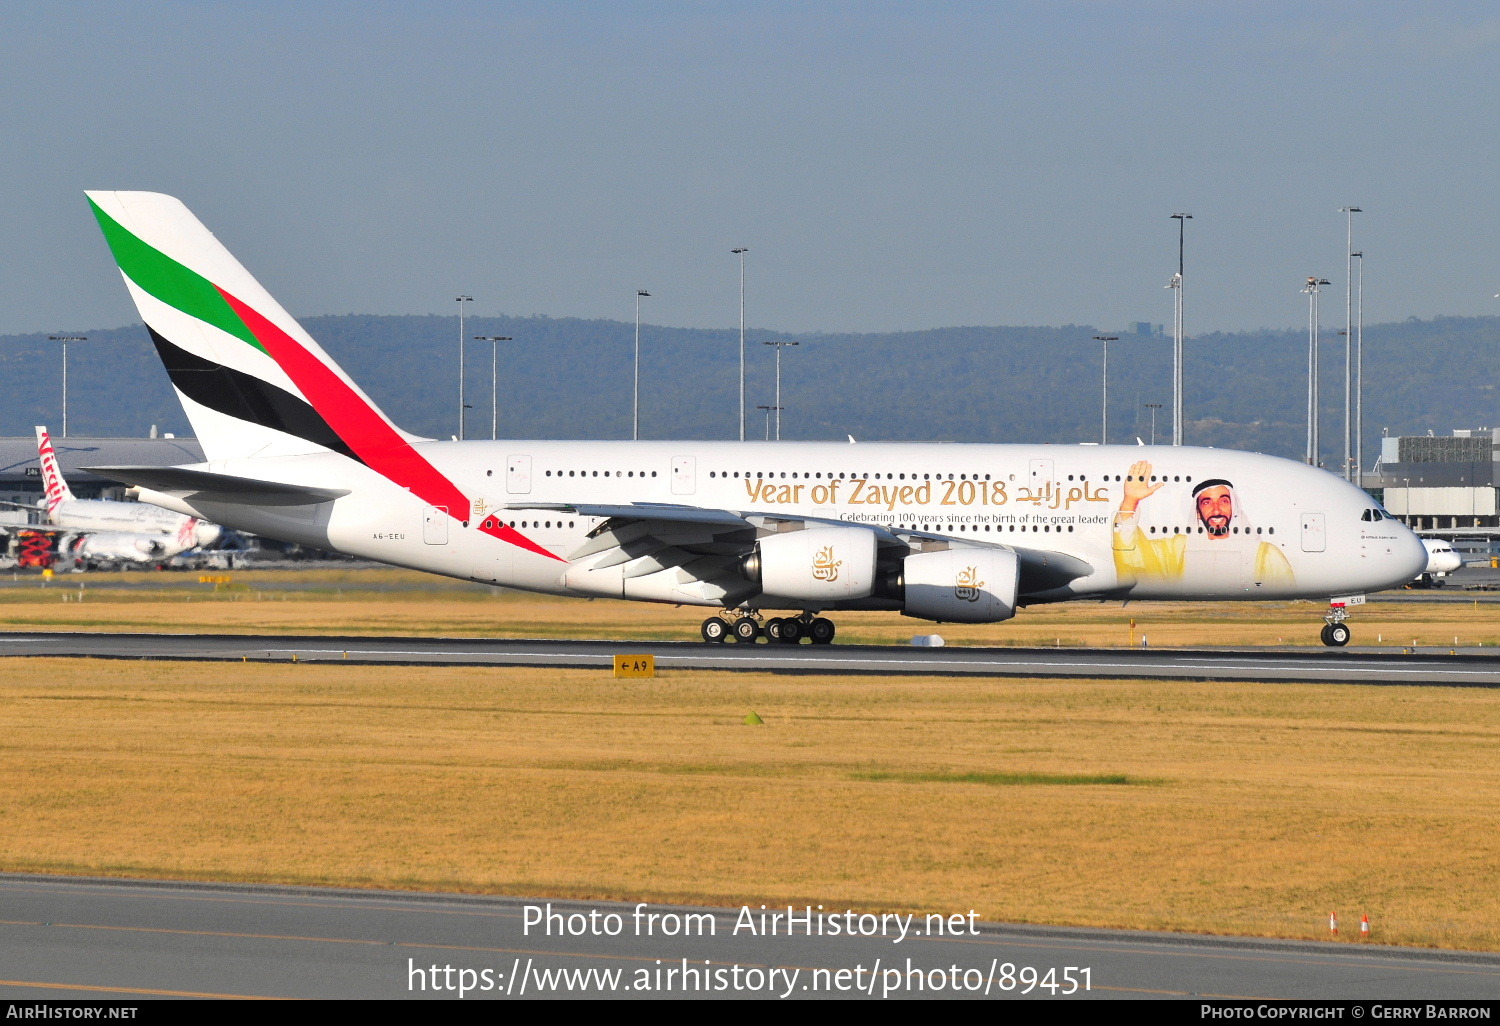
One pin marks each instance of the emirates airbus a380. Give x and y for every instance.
(950, 533)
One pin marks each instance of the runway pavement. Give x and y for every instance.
(1467, 668)
(76, 938)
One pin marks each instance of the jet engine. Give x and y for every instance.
(115, 546)
(819, 564)
(961, 585)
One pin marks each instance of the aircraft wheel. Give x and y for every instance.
(746, 630)
(821, 631)
(772, 630)
(791, 631)
(1336, 635)
(715, 630)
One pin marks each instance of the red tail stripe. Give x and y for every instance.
(370, 435)
(367, 432)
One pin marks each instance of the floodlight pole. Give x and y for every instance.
(1311, 291)
(768, 410)
(740, 252)
(1349, 212)
(1153, 407)
(779, 346)
(494, 341)
(461, 300)
(1359, 372)
(1104, 406)
(1176, 286)
(1177, 331)
(65, 339)
(635, 395)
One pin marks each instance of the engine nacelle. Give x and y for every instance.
(820, 564)
(961, 585)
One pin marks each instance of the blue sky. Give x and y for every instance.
(889, 165)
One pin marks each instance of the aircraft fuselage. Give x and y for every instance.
(1285, 530)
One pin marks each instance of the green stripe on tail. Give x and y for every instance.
(172, 283)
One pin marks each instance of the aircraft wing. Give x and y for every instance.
(702, 547)
(203, 486)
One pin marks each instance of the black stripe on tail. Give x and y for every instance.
(245, 397)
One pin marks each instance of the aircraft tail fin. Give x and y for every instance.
(187, 533)
(54, 486)
(251, 380)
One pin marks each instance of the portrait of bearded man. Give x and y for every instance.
(1170, 553)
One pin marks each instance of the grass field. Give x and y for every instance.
(1226, 808)
(402, 602)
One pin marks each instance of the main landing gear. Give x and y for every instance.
(1335, 632)
(746, 629)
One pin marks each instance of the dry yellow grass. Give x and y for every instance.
(1246, 808)
(377, 602)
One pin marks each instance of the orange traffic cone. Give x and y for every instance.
(1364, 927)
(1333, 923)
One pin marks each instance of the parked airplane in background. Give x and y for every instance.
(952, 533)
(104, 531)
(1442, 561)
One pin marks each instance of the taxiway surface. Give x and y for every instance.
(68, 937)
(1468, 668)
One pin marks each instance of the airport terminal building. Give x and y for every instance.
(21, 474)
(1441, 483)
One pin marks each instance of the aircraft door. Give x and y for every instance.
(1041, 472)
(684, 475)
(435, 525)
(518, 475)
(1314, 532)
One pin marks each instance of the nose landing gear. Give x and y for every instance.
(1336, 633)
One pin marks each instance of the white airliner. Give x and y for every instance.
(950, 533)
(97, 531)
(1441, 562)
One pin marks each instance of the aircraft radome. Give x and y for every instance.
(949, 533)
(1442, 561)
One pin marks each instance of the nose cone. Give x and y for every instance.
(1408, 555)
(1441, 559)
(206, 534)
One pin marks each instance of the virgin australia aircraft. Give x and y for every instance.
(1442, 561)
(951, 533)
(104, 531)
